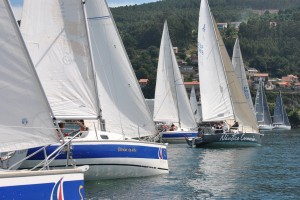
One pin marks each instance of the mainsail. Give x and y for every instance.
(261, 106)
(221, 95)
(171, 101)
(238, 65)
(25, 119)
(123, 105)
(280, 115)
(56, 36)
(194, 105)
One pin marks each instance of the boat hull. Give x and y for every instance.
(177, 137)
(226, 140)
(265, 127)
(281, 127)
(49, 184)
(112, 159)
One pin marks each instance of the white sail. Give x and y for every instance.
(194, 105)
(123, 105)
(261, 106)
(215, 98)
(221, 95)
(171, 101)
(238, 65)
(280, 115)
(25, 119)
(56, 36)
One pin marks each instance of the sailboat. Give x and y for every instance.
(171, 103)
(222, 97)
(262, 109)
(26, 122)
(194, 104)
(280, 120)
(239, 68)
(83, 56)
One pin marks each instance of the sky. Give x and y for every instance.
(17, 4)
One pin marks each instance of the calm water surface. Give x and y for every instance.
(271, 171)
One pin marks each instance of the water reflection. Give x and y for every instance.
(267, 172)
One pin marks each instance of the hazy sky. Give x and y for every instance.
(17, 4)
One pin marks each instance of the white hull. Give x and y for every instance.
(47, 184)
(265, 127)
(8, 159)
(112, 159)
(281, 127)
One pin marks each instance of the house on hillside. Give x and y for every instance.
(143, 82)
(263, 76)
(290, 78)
(222, 26)
(250, 72)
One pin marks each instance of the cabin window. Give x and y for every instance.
(104, 137)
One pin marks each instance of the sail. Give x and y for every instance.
(56, 36)
(171, 101)
(25, 119)
(238, 65)
(261, 106)
(194, 105)
(123, 105)
(215, 98)
(221, 94)
(280, 115)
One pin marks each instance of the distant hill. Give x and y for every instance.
(115, 3)
(269, 35)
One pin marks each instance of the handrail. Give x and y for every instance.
(27, 157)
(46, 161)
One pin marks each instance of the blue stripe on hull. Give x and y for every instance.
(106, 151)
(179, 135)
(71, 190)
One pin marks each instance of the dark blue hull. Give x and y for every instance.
(226, 140)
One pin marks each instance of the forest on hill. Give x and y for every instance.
(269, 35)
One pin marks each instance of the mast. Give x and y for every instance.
(102, 123)
(173, 70)
(221, 56)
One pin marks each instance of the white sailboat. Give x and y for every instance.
(171, 104)
(26, 122)
(262, 109)
(239, 68)
(194, 104)
(280, 120)
(222, 97)
(77, 41)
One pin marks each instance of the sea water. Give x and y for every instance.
(269, 171)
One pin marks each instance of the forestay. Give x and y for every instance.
(171, 101)
(25, 119)
(123, 105)
(56, 36)
(221, 94)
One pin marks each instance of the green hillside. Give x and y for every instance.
(269, 35)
